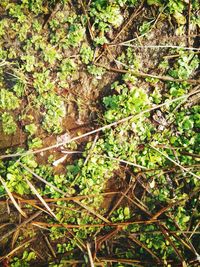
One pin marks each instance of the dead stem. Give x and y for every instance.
(87, 158)
(138, 242)
(194, 231)
(49, 246)
(146, 75)
(123, 161)
(65, 194)
(187, 240)
(158, 46)
(55, 10)
(32, 217)
(133, 16)
(125, 261)
(88, 20)
(108, 126)
(164, 209)
(176, 163)
(12, 198)
(167, 236)
(16, 249)
(110, 234)
(75, 226)
(138, 37)
(5, 224)
(100, 240)
(50, 200)
(177, 55)
(189, 21)
(164, 230)
(170, 232)
(15, 237)
(40, 198)
(189, 154)
(90, 254)
(120, 200)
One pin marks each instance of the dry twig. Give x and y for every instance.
(12, 198)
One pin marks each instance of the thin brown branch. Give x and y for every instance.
(158, 47)
(133, 16)
(53, 13)
(189, 154)
(189, 21)
(32, 217)
(65, 194)
(49, 246)
(131, 262)
(186, 240)
(146, 75)
(90, 254)
(52, 200)
(88, 20)
(75, 226)
(194, 231)
(167, 236)
(176, 163)
(108, 126)
(16, 249)
(138, 242)
(120, 200)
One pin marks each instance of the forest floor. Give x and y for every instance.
(99, 133)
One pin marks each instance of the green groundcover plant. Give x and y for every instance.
(129, 195)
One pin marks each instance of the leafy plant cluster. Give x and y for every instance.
(121, 143)
(36, 51)
(33, 57)
(140, 148)
(107, 16)
(9, 102)
(176, 8)
(54, 111)
(25, 260)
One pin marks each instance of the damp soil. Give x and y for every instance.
(83, 117)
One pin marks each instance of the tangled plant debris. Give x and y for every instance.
(99, 133)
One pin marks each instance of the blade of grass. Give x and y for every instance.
(65, 194)
(176, 163)
(12, 198)
(108, 126)
(32, 217)
(40, 198)
(90, 255)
